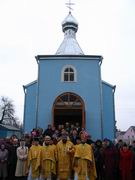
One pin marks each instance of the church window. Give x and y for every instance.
(69, 74)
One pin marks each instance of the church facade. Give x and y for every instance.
(69, 88)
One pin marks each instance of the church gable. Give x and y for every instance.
(63, 72)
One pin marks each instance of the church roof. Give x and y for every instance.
(69, 45)
(108, 84)
(74, 57)
(133, 127)
(29, 84)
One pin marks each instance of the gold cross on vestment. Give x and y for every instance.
(69, 4)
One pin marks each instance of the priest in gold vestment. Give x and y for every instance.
(65, 150)
(84, 164)
(34, 156)
(48, 159)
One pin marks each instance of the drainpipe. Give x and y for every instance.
(101, 98)
(37, 95)
(24, 112)
(114, 88)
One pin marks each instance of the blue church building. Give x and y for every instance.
(69, 88)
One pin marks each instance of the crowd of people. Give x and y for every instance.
(65, 153)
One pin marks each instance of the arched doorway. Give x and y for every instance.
(68, 107)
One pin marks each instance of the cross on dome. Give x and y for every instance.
(69, 45)
(69, 4)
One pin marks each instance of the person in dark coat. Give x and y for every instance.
(74, 136)
(98, 149)
(12, 160)
(48, 131)
(110, 161)
(3, 162)
(78, 128)
(119, 145)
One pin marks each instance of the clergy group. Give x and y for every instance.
(65, 155)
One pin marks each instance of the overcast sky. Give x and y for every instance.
(33, 27)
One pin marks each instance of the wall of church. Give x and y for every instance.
(88, 86)
(30, 107)
(108, 112)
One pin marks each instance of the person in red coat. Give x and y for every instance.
(125, 163)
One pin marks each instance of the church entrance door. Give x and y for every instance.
(68, 107)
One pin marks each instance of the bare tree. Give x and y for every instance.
(7, 112)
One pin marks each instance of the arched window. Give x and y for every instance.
(69, 74)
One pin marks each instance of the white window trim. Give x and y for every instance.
(63, 70)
